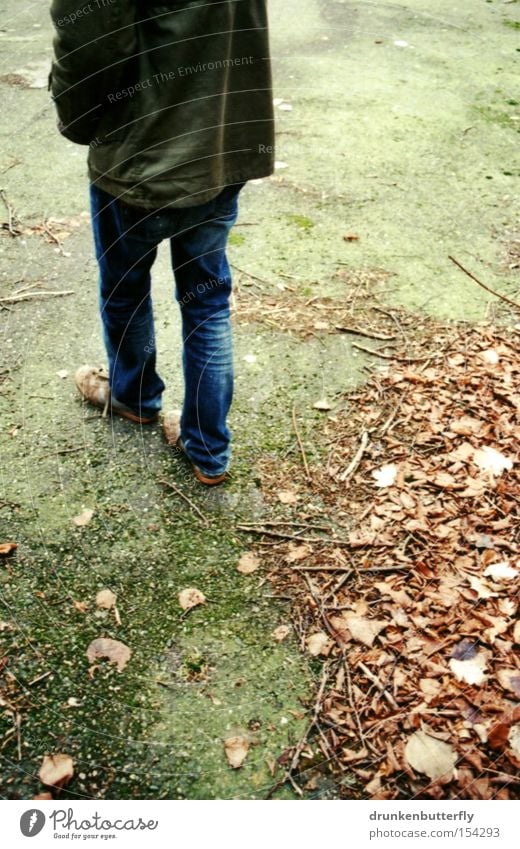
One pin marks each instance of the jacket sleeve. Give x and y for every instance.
(93, 41)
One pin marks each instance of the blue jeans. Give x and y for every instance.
(126, 240)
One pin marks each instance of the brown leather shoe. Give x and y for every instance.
(94, 387)
(171, 428)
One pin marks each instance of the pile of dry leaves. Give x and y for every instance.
(402, 555)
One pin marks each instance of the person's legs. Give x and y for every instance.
(203, 280)
(125, 254)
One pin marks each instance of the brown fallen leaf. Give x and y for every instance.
(498, 625)
(364, 630)
(191, 597)
(466, 649)
(374, 786)
(430, 756)
(248, 563)
(471, 671)
(350, 237)
(115, 651)
(466, 426)
(297, 552)
(500, 571)
(281, 632)
(386, 475)
(498, 735)
(509, 679)
(83, 518)
(287, 496)
(318, 643)
(271, 766)
(444, 480)
(56, 770)
(514, 739)
(482, 589)
(430, 688)
(106, 599)
(490, 356)
(236, 749)
(490, 460)
(7, 548)
(322, 405)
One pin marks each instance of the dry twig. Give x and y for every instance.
(483, 285)
(358, 332)
(351, 468)
(300, 445)
(27, 296)
(188, 501)
(392, 356)
(12, 221)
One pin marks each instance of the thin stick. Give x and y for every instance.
(351, 468)
(254, 525)
(300, 444)
(288, 775)
(39, 678)
(324, 569)
(28, 295)
(336, 636)
(10, 215)
(338, 585)
(352, 702)
(393, 318)
(393, 568)
(371, 677)
(390, 420)
(313, 540)
(277, 535)
(483, 285)
(27, 286)
(316, 713)
(393, 356)
(296, 536)
(188, 501)
(504, 778)
(61, 450)
(51, 235)
(248, 274)
(18, 724)
(358, 332)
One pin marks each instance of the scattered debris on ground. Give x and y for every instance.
(283, 308)
(401, 554)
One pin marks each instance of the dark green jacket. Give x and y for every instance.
(174, 99)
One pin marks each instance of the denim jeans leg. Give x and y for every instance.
(203, 281)
(126, 306)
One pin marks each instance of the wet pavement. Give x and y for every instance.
(398, 124)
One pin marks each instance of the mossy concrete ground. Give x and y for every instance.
(402, 131)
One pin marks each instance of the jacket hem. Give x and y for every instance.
(162, 193)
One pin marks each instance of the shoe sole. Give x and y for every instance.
(208, 481)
